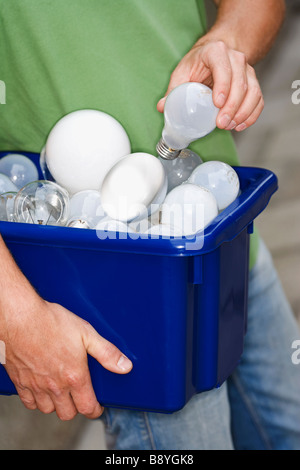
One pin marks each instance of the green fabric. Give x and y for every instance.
(57, 56)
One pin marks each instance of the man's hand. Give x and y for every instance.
(222, 59)
(46, 358)
(47, 347)
(236, 90)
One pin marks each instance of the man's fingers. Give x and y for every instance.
(44, 402)
(208, 64)
(254, 97)
(27, 398)
(216, 59)
(252, 118)
(85, 400)
(108, 355)
(238, 91)
(64, 405)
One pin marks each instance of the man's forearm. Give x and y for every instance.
(15, 289)
(249, 26)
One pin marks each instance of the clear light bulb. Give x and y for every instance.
(42, 203)
(82, 147)
(134, 188)
(189, 114)
(189, 209)
(86, 206)
(220, 179)
(6, 185)
(180, 169)
(7, 201)
(78, 223)
(20, 169)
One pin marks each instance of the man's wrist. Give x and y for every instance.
(219, 34)
(229, 39)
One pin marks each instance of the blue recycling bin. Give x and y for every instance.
(176, 307)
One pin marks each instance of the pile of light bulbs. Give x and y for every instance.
(93, 181)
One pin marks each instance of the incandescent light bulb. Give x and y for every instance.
(189, 114)
(20, 169)
(189, 209)
(7, 207)
(180, 169)
(220, 178)
(42, 203)
(6, 185)
(134, 188)
(82, 147)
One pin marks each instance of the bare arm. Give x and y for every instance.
(48, 367)
(250, 26)
(243, 33)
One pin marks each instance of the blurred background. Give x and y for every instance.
(273, 143)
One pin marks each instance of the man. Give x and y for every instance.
(117, 57)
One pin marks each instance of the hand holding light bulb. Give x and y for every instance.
(235, 89)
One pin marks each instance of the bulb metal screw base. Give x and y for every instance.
(78, 223)
(166, 152)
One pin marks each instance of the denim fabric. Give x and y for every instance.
(259, 406)
(264, 391)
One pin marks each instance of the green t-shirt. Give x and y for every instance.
(58, 56)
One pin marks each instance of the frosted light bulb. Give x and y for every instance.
(140, 226)
(42, 203)
(86, 205)
(110, 225)
(163, 230)
(20, 169)
(134, 188)
(189, 114)
(220, 179)
(7, 207)
(180, 169)
(6, 185)
(189, 209)
(82, 147)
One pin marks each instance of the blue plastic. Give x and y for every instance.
(180, 315)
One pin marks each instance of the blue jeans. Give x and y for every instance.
(259, 406)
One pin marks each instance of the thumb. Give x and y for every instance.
(108, 355)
